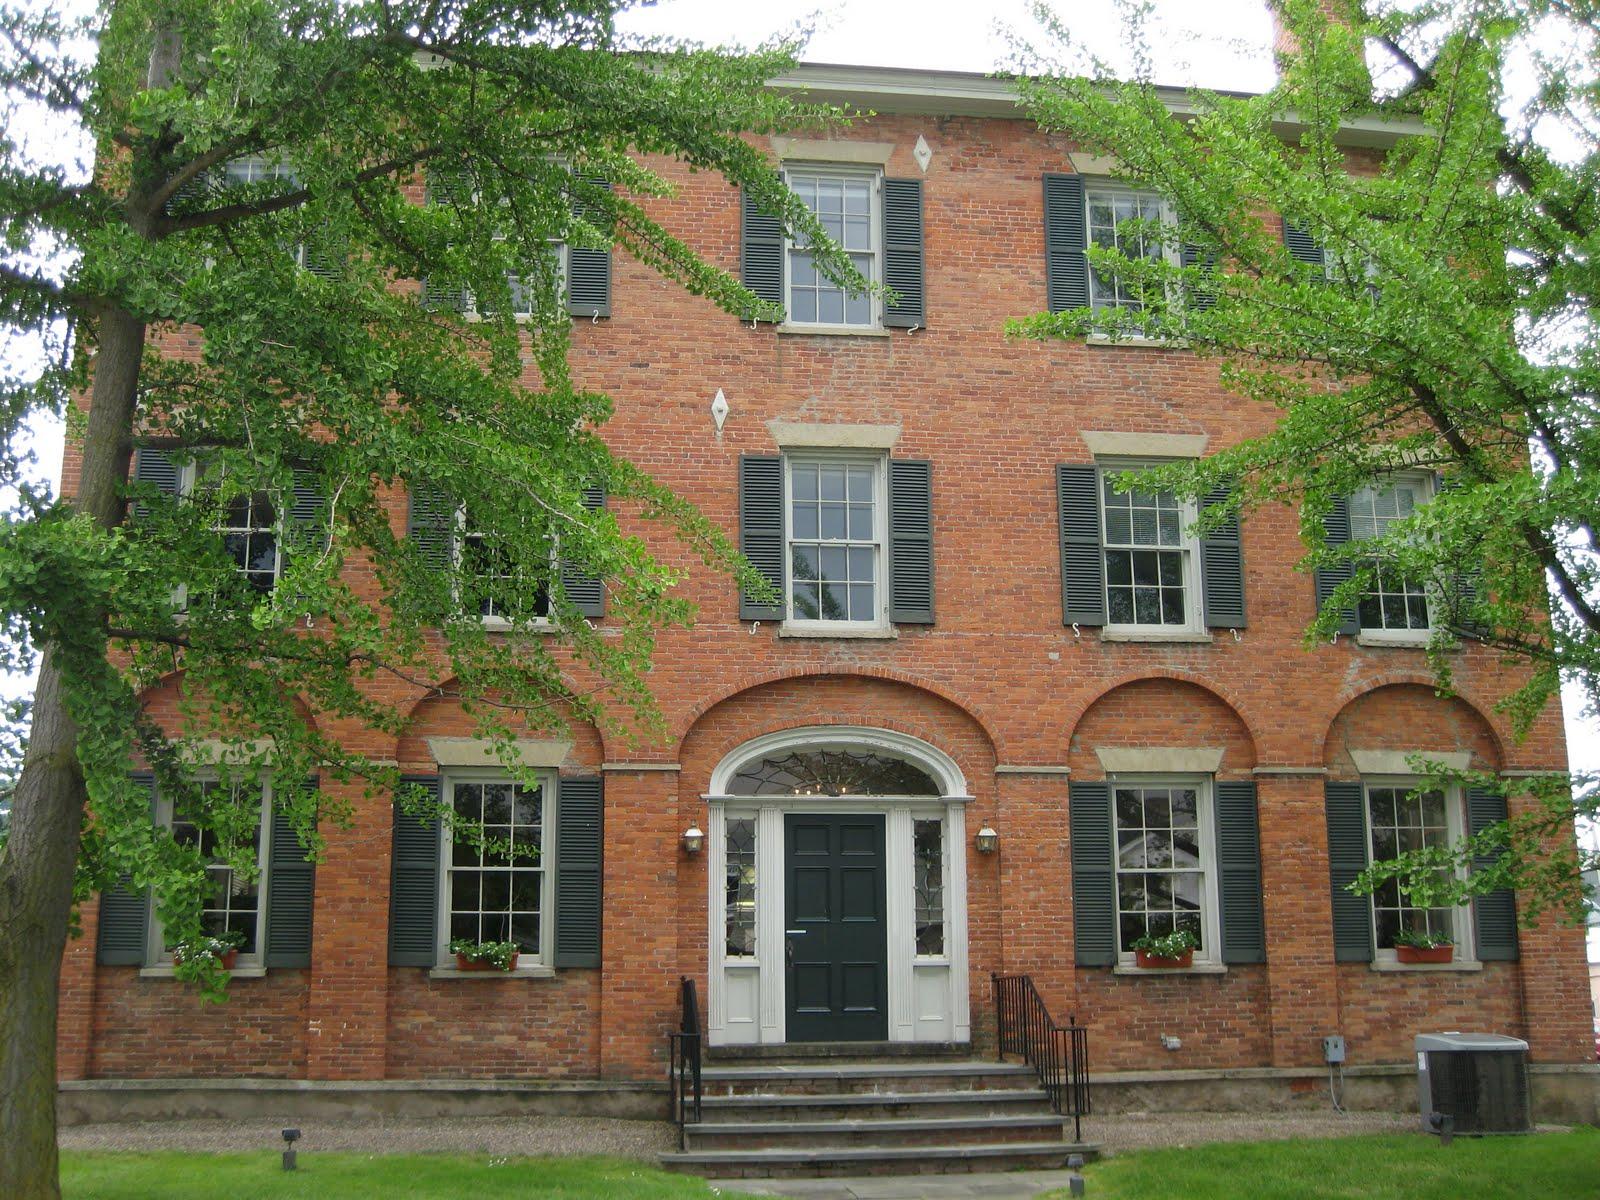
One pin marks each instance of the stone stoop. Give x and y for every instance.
(816, 1116)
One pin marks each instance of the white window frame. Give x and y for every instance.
(1455, 829)
(1189, 547)
(526, 963)
(880, 533)
(1108, 188)
(266, 168)
(874, 179)
(1205, 820)
(1424, 484)
(523, 315)
(189, 480)
(158, 954)
(493, 621)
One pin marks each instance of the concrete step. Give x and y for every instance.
(858, 1051)
(858, 1077)
(900, 1160)
(878, 1132)
(864, 1105)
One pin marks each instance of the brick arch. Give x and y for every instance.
(160, 702)
(436, 715)
(1160, 708)
(1408, 713)
(796, 700)
(754, 679)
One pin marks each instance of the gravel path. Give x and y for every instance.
(645, 1139)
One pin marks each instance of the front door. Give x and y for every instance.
(835, 935)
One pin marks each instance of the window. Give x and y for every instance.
(252, 527)
(835, 534)
(1396, 608)
(1165, 878)
(231, 903)
(1129, 221)
(1150, 556)
(496, 588)
(1402, 816)
(741, 887)
(927, 867)
(496, 887)
(257, 169)
(847, 206)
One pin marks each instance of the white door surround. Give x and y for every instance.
(927, 994)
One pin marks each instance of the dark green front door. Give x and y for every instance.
(835, 936)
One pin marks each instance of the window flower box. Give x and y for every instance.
(1146, 960)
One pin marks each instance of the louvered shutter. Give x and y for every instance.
(1201, 294)
(1494, 916)
(586, 592)
(1347, 858)
(291, 888)
(910, 542)
(1094, 895)
(414, 882)
(1461, 588)
(308, 513)
(903, 262)
(589, 270)
(445, 186)
(1329, 578)
(1083, 560)
(431, 524)
(580, 826)
(1222, 568)
(1302, 246)
(761, 530)
(155, 468)
(122, 939)
(760, 252)
(1244, 936)
(1066, 240)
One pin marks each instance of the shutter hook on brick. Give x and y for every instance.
(1077, 634)
(1236, 636)
(595, 318)
(912, 330)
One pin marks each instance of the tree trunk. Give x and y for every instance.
(37, 864)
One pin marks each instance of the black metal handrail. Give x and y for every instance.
(683, 1076)
(1059, 1053)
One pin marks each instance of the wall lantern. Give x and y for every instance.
(693, 839)
(988, 840)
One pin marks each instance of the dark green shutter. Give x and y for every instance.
(445, 186)
(910, 541)
(586, 592)
(308, 513)
(1302, 246)
(1347, 858)
(903, 269)
(1066, 240)
(1494, 916)
(414, 882)
(580, 826)
(155, 468)
(431, 524)
(123, 937)
(1461, 588)
(761, 530)
(589, 270)
(1222, 567)
(1244, 936)
(760, 252)
(291, 888)
(1329, 578)
(1202, 294)
(1094, 881)
(1083, 560)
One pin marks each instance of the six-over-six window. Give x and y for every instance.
(846, 205)
(1149, 555)
(496, 884)
(1395, 607)
(1163, 857)
(1405, 815)
(231, 901)
(835, 539)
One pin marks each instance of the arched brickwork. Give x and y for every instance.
(1160, 711)
(1408, 716)
(444, 716)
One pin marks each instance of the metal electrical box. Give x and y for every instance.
(1478, 1079)
(1333, 1050)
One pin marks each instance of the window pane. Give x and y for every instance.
(740, 892)
(928, 881)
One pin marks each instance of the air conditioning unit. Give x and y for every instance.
(1480, 1080)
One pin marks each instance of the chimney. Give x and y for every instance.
(1284, 43)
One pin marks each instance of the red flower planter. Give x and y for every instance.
(1147, 960)
(463, 963)
(1424, 954)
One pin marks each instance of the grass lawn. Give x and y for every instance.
(1562, 1166)
(185, 1176)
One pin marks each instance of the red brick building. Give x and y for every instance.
(976, 634)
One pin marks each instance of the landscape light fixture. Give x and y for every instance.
(290, 1137)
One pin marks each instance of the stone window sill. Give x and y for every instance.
(1157, 972)
(539, 972)
(824, 633)
(1392, 643)
(832, 330)
(1400, 968)
(166, 972)
(1185, 636)
(501, 625)
(1100, 339)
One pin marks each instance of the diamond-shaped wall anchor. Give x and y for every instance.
(922, 153)
(719, 410)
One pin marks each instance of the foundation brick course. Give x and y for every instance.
(997, 681)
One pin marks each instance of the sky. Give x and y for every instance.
(1224, 44)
